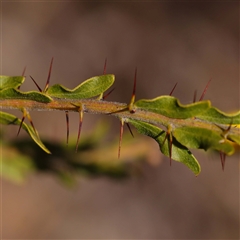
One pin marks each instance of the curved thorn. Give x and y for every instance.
(120, 138)
(79, 128)
(107, 94)
(205, 90)
(105, 66)
(40, 90)
(49, 76)
(170, 94)
(67, 122)
(130, 130)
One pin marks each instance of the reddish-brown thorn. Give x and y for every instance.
(40, 90)
(131, 104)
(130, 130)
(49, 76)
(135, 84)
(79, 128)
(31, 122)
(205, 90)
(170, 151)
(195, 96)
(107, 94)
(20, 126)
(170, 94)
(24, 70)
(120, 138)
(23, 73)
(223, 159)
(105, 66)
(67, 122)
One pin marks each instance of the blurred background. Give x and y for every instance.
(168, 42)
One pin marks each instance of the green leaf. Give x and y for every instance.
(9, 119)
(179, 152)
(200, 138)
(171, 107)
(12, 93)
(90, 88)
(216, 116)
(11, 82)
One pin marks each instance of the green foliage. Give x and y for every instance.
(179, 152)
(197, 125)
(171, 107)
(11, 93)
(10, 82)
(89, 88)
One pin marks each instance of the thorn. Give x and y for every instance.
(223, 159)
(120, 138)
(107, 94)
(26, 114)
(67, 122)
(49, 76)
(20, 126)
(31, 122)
(24, 70)
(130, 130)
(134, 86)
(194, 96)
(170, 94)
(130, 106)
(105, 66)
(40, 90)
(80, 126)
(170, 149)
(23, 73)
(205, 90)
